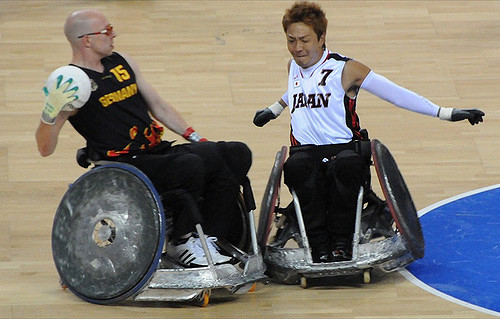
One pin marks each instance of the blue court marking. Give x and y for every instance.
(462, 250)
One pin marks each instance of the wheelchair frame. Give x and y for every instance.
(294, 265)
(164, 280)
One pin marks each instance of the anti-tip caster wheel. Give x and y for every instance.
(63, 284)
(367, 276)
(253, 288)
(303, 282)
(203, 298)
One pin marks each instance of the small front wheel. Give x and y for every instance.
(367, 276)
(253, 288)
(203, 298)
(303, 282)
(63, 284)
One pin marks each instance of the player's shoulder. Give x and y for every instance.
(125, 56)
(117, 57)
(334, 56)
(289, 63)
(121, 55)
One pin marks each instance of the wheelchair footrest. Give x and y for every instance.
(168, 295)
(211, 277)
(288, 264)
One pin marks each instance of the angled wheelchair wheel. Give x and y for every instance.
(269, 199)
(245, 237)
(108, 233)
(398, 198)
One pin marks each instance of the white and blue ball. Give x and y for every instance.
(79, 80)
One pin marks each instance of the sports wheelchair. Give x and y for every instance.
(108, 240)
(387, 234)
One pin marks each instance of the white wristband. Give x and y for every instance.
(445, 113)
(276, 108)
(47, 119)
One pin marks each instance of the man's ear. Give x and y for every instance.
(322, 39)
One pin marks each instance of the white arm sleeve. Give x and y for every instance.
(385, 89)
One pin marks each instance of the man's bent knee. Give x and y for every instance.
(237, 156)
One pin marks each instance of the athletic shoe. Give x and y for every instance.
(217, 257)
(340, 255)
(342, 247)
(320, 253)
(189, 252)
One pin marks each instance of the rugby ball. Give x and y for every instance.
(77, 78)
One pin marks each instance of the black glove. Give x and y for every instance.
(263, 116)
(473, 115)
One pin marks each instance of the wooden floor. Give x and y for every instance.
(218, 62)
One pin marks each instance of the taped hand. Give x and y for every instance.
(192, 136)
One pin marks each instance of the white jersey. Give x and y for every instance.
(321, 112)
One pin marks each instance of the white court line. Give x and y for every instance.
(409, 276)
(424, 211)
(417, 282)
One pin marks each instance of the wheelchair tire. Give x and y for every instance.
(269, 199)
(398, 199)
(245, 238)
(108, 233)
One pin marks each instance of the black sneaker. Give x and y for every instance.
(340, 255)
(320, 254)
(342, 248)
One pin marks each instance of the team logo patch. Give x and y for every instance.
(93, 85)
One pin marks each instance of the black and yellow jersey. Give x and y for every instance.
(115, 120)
